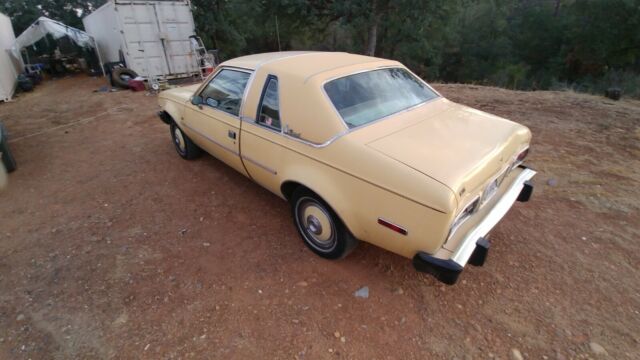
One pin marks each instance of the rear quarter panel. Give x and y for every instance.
(361, 187)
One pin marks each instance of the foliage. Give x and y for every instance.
(24, 12)
(522, 44)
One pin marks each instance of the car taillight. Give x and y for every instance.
(523, 154)
(464, 215)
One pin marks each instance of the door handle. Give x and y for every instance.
(232, 134)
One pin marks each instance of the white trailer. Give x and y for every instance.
(152, 37)
(8, 72)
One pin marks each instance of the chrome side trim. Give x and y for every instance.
(263, 167)
(500, 209)
(252, 121)
(233, 151)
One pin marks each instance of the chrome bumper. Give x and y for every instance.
(473, 247)
(468, 244)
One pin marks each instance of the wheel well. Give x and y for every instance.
(166, 117)
(288, 187)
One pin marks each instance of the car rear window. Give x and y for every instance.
(368, 96)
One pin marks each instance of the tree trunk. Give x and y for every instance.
(372, 40)
(373, 30)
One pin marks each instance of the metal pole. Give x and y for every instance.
(95, 46)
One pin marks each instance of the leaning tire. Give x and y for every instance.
(24, 83)
(185, 147)
(7, 157)
(121, 76)
(320, 228)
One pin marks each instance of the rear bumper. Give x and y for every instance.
(474, 246)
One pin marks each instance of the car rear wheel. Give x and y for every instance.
(319, 226)
(186, 148)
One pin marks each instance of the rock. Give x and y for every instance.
(183, 231)
(206, 244)
(399, 291)
(302, 283)
(336, 334)
(343, 339)
(362, 292)
(20, 317)
(597, 349)
(515, 354)
(552, 182)
(559, 356)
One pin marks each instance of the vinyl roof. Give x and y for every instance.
(303, 64)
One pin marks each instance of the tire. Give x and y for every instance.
(121, 76)
(320, 228)
(7, 157)
(185, 147)
(613, 93)
(24, 83)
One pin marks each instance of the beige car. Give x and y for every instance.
(362, 149)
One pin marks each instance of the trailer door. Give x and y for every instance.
(175, 23)
(157, 37)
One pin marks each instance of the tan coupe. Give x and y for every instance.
(362, 149)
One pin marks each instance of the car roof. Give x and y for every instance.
(304, 64)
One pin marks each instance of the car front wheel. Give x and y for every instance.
(186, 148)
(320, 228)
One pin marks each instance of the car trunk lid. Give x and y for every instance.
(462, 148)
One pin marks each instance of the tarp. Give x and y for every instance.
(43, 26)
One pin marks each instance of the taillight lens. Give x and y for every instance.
(523, 154)
(464, 215)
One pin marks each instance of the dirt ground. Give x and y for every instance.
(111, 246)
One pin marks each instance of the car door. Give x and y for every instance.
(214, 123)
(262, 150)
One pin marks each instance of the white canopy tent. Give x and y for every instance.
(43, 26)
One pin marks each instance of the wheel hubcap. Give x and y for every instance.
(179, 139)
(316, 225)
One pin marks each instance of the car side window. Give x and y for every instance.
(269, 108)
(224, 92)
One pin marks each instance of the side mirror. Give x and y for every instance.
(196, 100)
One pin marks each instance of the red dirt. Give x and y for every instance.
(111, 246)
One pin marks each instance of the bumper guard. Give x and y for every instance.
(474, 246)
